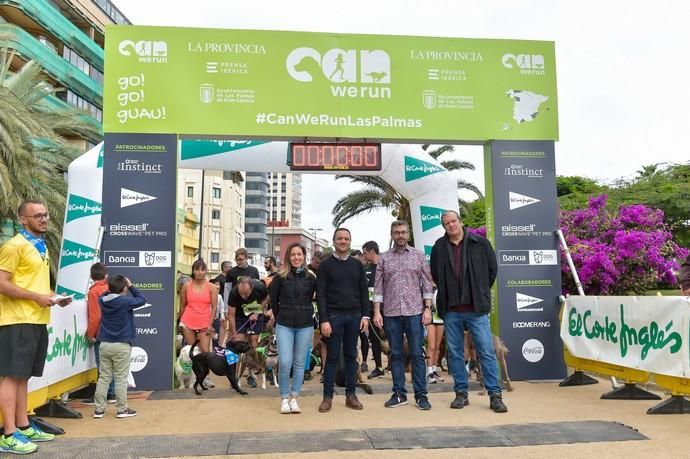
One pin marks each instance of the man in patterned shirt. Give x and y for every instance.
(403, 284)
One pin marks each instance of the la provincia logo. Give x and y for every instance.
(132, 198)
(533, 350)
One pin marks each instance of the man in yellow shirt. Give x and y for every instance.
(25, 297)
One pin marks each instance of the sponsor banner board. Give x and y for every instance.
(524, 210)
(139, 173)
(304, 84)
(648, 333)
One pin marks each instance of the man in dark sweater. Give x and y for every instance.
(242, 269)
(343, 301)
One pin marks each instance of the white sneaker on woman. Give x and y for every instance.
(285, 407)
(294, 407)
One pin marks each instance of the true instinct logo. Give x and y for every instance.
(521, 171)
(149, 52)
(445, 55)
(357, 74)
(226, 48)
(529, 64)
(67, 345)
(647, 337)
(136, 165)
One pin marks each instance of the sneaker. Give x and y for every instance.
(17, 444)
(364, 367)
(251, 381)
(208, 384)
(285, 407)
(431, 378)
(294, 407)
(351, 401)
(461, 401)
(422, 403)
(396, 400)
(128, 413)
(112, 399)
(376, 373)
(325, 405)
(98, 414)
(496, 403)
(35, 434)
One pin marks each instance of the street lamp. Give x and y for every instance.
(316, 245)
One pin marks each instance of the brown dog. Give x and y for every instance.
(501, 351)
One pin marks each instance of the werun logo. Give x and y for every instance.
(155, 52)
(525, 302)
(517, 200)
(529, 64)
(533, 350)
(416, 168)
(357, 74)
(431, 217)
(132, 198)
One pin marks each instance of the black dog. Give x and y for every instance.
(204, 362)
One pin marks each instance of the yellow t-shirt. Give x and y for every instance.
(29, 271)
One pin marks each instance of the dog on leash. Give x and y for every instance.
(183, 368)
(205, 362)
(501, 351)
(267, 352)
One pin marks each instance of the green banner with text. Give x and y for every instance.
(293, 84)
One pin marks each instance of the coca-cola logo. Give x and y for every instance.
(533, 350)
(138, 359)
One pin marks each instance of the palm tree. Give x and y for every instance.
(377, 193)
(33, 154)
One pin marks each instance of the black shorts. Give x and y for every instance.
(23, 349)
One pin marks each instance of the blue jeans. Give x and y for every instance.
(97, 352)
(345, 331)
(480, 330)
(413, 329)
(293, 345)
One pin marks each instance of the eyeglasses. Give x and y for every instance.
(399, 233)
(44, 216)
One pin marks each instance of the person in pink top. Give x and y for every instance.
(198, 307)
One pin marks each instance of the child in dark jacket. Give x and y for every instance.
(116, 335)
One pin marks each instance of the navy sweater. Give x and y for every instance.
(341, 286)
(117, 316)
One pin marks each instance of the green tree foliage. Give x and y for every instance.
(33, 154)
(475, 214)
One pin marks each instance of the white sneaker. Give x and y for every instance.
(285, 407)
(294, 407)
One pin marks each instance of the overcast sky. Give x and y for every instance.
(623, 71)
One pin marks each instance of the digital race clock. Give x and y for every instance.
(334, 156)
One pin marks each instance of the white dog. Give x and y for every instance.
(183, 368)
